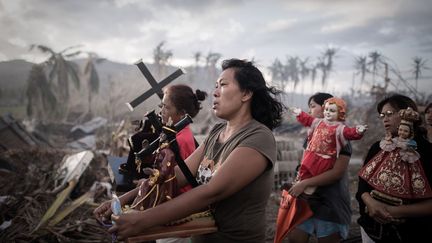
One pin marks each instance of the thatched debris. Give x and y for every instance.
(28, 194)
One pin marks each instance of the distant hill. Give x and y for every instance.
(119, 83)
(14, 74)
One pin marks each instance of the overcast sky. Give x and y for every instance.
(127, 30)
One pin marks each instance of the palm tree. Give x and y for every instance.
(419, 64)
(276, 70)
(321, 65)
(304, 70)
(293, 72)
(313, 72)
(330, 53)
(197, 57)
(41, 101)
(93, 77)
(60, 72)
(360, 64)
(161, 57)
(327, 63)
(376, 59)
(211, 59)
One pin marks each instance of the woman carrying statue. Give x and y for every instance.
(394, 190)
(234, 164)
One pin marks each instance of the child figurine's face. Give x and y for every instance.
(331, 112)
(404, 131)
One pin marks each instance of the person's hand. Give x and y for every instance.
(395, 215)
(361, 129)
(127, 224)
(294, 111)
(103, 212)
(378, 211)
(297, 189)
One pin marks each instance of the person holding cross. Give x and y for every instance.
(178, 100)
(234, 164)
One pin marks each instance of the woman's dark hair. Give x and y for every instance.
(184, 99)
(319, 98)
(400, 102)
(428, 107)
(264, 106)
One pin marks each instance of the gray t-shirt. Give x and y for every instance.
(240, 217)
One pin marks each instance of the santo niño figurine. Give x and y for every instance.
(326, 137)
(396, 172)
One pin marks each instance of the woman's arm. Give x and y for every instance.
(241, 167)
(325, 178)
(420, 209)
(376, 209)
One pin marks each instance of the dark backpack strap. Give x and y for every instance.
(182, 165)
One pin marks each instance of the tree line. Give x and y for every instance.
(49, 82)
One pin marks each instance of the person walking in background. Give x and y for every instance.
(382, 220)
(234, 164)
(330, 205)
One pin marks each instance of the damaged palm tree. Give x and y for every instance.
(60, 72)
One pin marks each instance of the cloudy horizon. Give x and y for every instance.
(127, 30)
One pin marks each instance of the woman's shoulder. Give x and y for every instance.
(217, 127)
(260, 128)
(255, 123)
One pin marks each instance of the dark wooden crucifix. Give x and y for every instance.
(156, 88)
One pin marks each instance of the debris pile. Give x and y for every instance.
(30, 208)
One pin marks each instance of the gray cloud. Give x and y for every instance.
(125, 30)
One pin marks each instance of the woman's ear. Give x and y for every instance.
(247, 95)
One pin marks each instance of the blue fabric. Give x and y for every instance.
(321, 228)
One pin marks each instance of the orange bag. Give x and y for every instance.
(292, 212)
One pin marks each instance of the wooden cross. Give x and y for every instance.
(156, 88)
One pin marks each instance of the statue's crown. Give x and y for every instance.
(409, 115)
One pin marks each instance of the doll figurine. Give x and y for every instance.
(326, 137)
(396, 172)
(405, 139)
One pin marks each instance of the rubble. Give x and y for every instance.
(28, 194)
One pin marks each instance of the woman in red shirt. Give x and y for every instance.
(179, 100)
